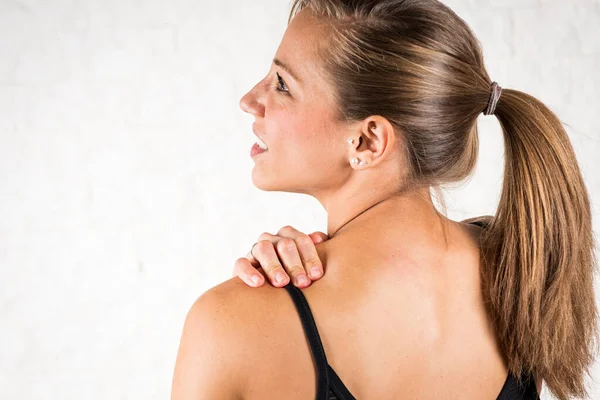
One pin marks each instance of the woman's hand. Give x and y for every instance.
(289, 253)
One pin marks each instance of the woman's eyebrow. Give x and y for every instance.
(286, 68)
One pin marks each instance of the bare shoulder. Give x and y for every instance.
(227, 331)
(233, 296)
(237, 312)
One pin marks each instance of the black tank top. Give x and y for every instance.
(331, 387)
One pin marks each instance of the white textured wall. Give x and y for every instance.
(125, 187)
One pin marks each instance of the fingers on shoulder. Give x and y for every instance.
(288, 230)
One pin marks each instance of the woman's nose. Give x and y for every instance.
(245, 103)
(250, 103)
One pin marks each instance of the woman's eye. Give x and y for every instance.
(281, 86)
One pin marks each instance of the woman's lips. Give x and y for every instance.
(256, 149)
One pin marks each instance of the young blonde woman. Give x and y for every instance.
(368, 106)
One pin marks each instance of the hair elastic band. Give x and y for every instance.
(493, 100)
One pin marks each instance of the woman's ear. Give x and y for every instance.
(377, 139)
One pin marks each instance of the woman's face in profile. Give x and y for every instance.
(294, 114)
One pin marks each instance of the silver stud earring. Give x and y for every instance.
(356, 161)
(350, 141)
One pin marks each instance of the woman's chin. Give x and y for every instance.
(261, 182)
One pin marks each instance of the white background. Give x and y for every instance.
(125, 176)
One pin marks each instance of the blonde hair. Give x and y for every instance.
(419, 65)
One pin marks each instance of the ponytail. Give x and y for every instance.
(538, 251)
(419, 65)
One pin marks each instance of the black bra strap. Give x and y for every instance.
(337, 386)
(514, 389)
(314, 340)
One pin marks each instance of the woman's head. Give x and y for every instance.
(404, 79)
(294, 114)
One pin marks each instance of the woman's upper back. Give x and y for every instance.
(395, 322)
(331, 387)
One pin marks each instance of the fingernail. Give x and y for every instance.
(255, 279)
(302, 280)
(315, 272)
(280, 277)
